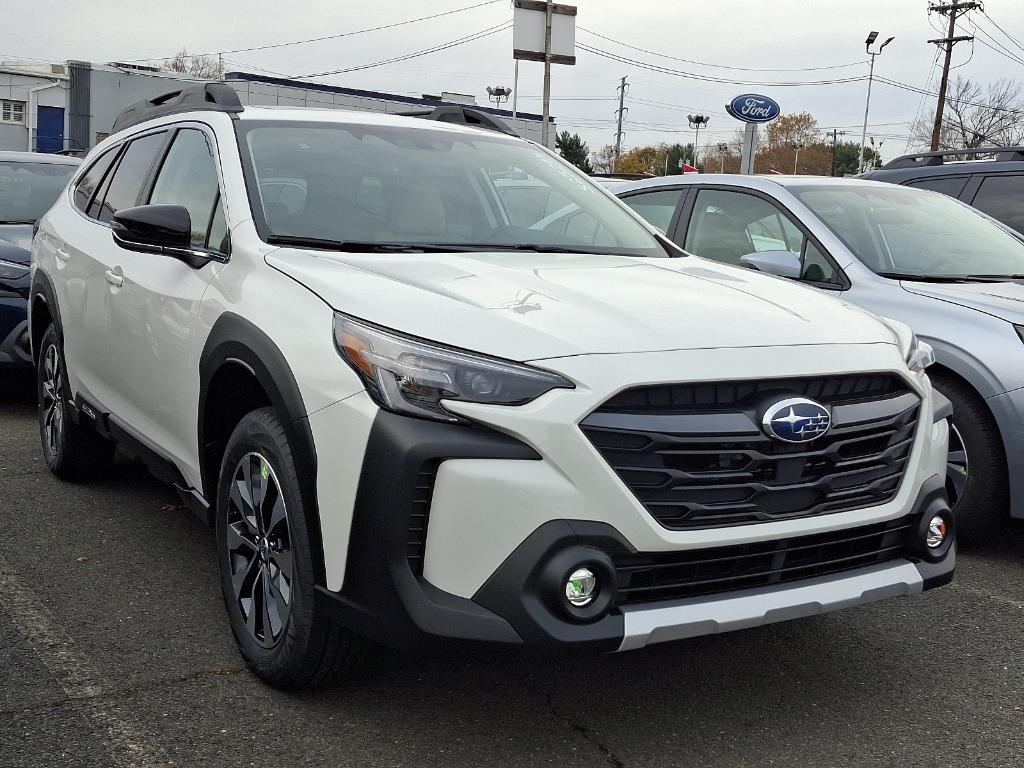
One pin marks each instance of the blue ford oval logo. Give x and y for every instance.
(796, 420)
(752, 108)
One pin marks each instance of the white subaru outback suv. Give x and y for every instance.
(413, 415)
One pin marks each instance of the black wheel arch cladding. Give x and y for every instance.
(237, 341)
(43, 290)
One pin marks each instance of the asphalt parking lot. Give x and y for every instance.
(114, 651)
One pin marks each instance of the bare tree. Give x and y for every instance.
(603, 159)
(202, 67)
(976, 116)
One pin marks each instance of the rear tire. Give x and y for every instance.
(71, 451)
(976, 477)
(266, 563)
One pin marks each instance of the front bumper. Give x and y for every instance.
(386, 597)
(14, 339)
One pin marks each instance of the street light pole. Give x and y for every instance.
(872, 36)
(696, 121)
(796, 157)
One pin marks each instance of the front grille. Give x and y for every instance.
(696, 457)
(645, 577)
(419, 517)
(714, 395)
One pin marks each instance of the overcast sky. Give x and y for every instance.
(754, 34)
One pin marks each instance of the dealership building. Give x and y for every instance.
(72, 105)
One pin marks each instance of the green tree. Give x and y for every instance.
(848, 154)
(575, 150)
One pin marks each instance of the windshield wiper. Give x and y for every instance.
(17, 221)
(925, 278)
(997, 278)
(358, 246)
(533, 247)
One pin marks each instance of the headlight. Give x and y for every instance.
(920, 356)
(12, 270)
(411, 376)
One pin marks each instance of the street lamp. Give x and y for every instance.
(722, 149)
(877, 150)
(797, 146)
(498, 94)
(872, 36)
(696, 121)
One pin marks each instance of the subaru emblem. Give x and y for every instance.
(796, 420)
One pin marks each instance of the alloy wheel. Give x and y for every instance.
(52, 400)
(956, 467)
(259, 549)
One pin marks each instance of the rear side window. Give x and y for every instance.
(188, 177)
(88, 184)
(129, 176)
(656, 207)
(947, 185)
(1002, 198)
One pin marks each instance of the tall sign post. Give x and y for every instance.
(753, 110)
(544, 31)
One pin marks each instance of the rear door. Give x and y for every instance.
(1001, 196)
(94, 333)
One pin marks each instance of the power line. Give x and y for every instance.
(717, 66)
(710, 78)
(405, 57)
(997, 47)
(915, 89)
(338, 35)
(1009, 37)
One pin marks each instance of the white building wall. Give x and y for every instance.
(16, 85)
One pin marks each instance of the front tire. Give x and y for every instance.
(976, 477)
(267, 574)
(71, 451)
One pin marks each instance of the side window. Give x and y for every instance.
(727, 225)
(188, 177)
(125, 186)
(657, 208)
(90, 181)
(1002, 198)
(947, 185)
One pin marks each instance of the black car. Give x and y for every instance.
(29, 184)
(989, 178)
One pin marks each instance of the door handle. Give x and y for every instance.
(115, 277)
(62, 255)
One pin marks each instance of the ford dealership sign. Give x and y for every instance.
(751, 108)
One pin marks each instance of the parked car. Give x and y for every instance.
(951, 273)
(990, 179)
(412, 420)
(29, 183)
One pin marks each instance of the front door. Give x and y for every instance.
(49, 129)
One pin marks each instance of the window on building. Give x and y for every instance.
(12, 112)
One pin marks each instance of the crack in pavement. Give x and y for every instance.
(115, 693)
(549, 700)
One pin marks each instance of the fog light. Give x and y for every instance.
(581, 588)
(937, 532)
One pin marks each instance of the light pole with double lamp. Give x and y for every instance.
(696, 122)
(872, 36)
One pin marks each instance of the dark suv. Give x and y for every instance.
(989, 178)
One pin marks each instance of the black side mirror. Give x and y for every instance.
(163, 229)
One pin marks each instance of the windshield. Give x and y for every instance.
(402, 186)
(27, 190)
(914, 233)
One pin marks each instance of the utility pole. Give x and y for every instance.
(954, 10)
(621, 90)
(547, 74)
(836, 133)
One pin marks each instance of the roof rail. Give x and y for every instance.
(206, 97)
(461, 116)
(920, 159)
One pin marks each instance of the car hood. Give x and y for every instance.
(1002, 300)
(531, 306)
(17, 235)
